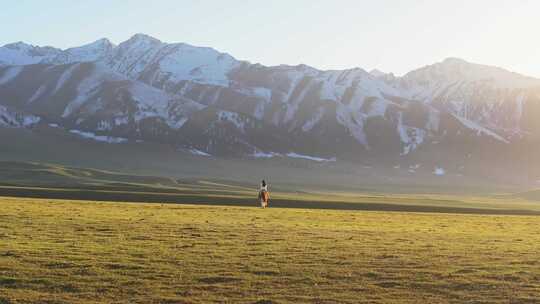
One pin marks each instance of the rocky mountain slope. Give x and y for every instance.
(202, 100)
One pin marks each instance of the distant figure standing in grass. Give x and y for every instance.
(264, 195)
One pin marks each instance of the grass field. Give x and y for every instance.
(61, 148)
(34, 180)
(54, 251)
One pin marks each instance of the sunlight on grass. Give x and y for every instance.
(89, 252)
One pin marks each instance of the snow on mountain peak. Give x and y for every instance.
(454, 60)
(20, 53)
(454, 70)
(37, 50)
(141, 40)
(94, 51)
(377, 73)
(198, 64)
(144, 57)
(103, 43)
(155, 77)
(18, 46)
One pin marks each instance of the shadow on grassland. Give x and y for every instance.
(189, 198)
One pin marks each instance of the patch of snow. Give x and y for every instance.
(104, 126)
(353, 123)
(294, 78)
(330, 91)
(88, 87)
(308, 125)
(199, 152)
(66, 75)
(100, 138)
(37, 94)
(411, 137)
(53, 125)
(479, 129)
(9, 74)
(10, 118)
(118, 121)
(378, 107)
(263, 93)
(259, 110)
(30, 120)
(292, 106)
(179, 123)
(519, 106)
(336, 83)
(153, 102)
(439, 171)
(261, 154)
(313, 158)
(231, 117)
(433, 120)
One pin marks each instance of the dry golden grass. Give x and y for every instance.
(88, 252)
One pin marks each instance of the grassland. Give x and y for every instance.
(57, 146)
(59, 251)
(59, 182)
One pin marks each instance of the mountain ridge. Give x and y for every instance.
(200, 99)
(142, 36)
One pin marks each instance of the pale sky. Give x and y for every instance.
(393, 36)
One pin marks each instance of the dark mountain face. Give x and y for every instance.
(198, 98)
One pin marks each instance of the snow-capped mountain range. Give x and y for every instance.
(201, 99)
